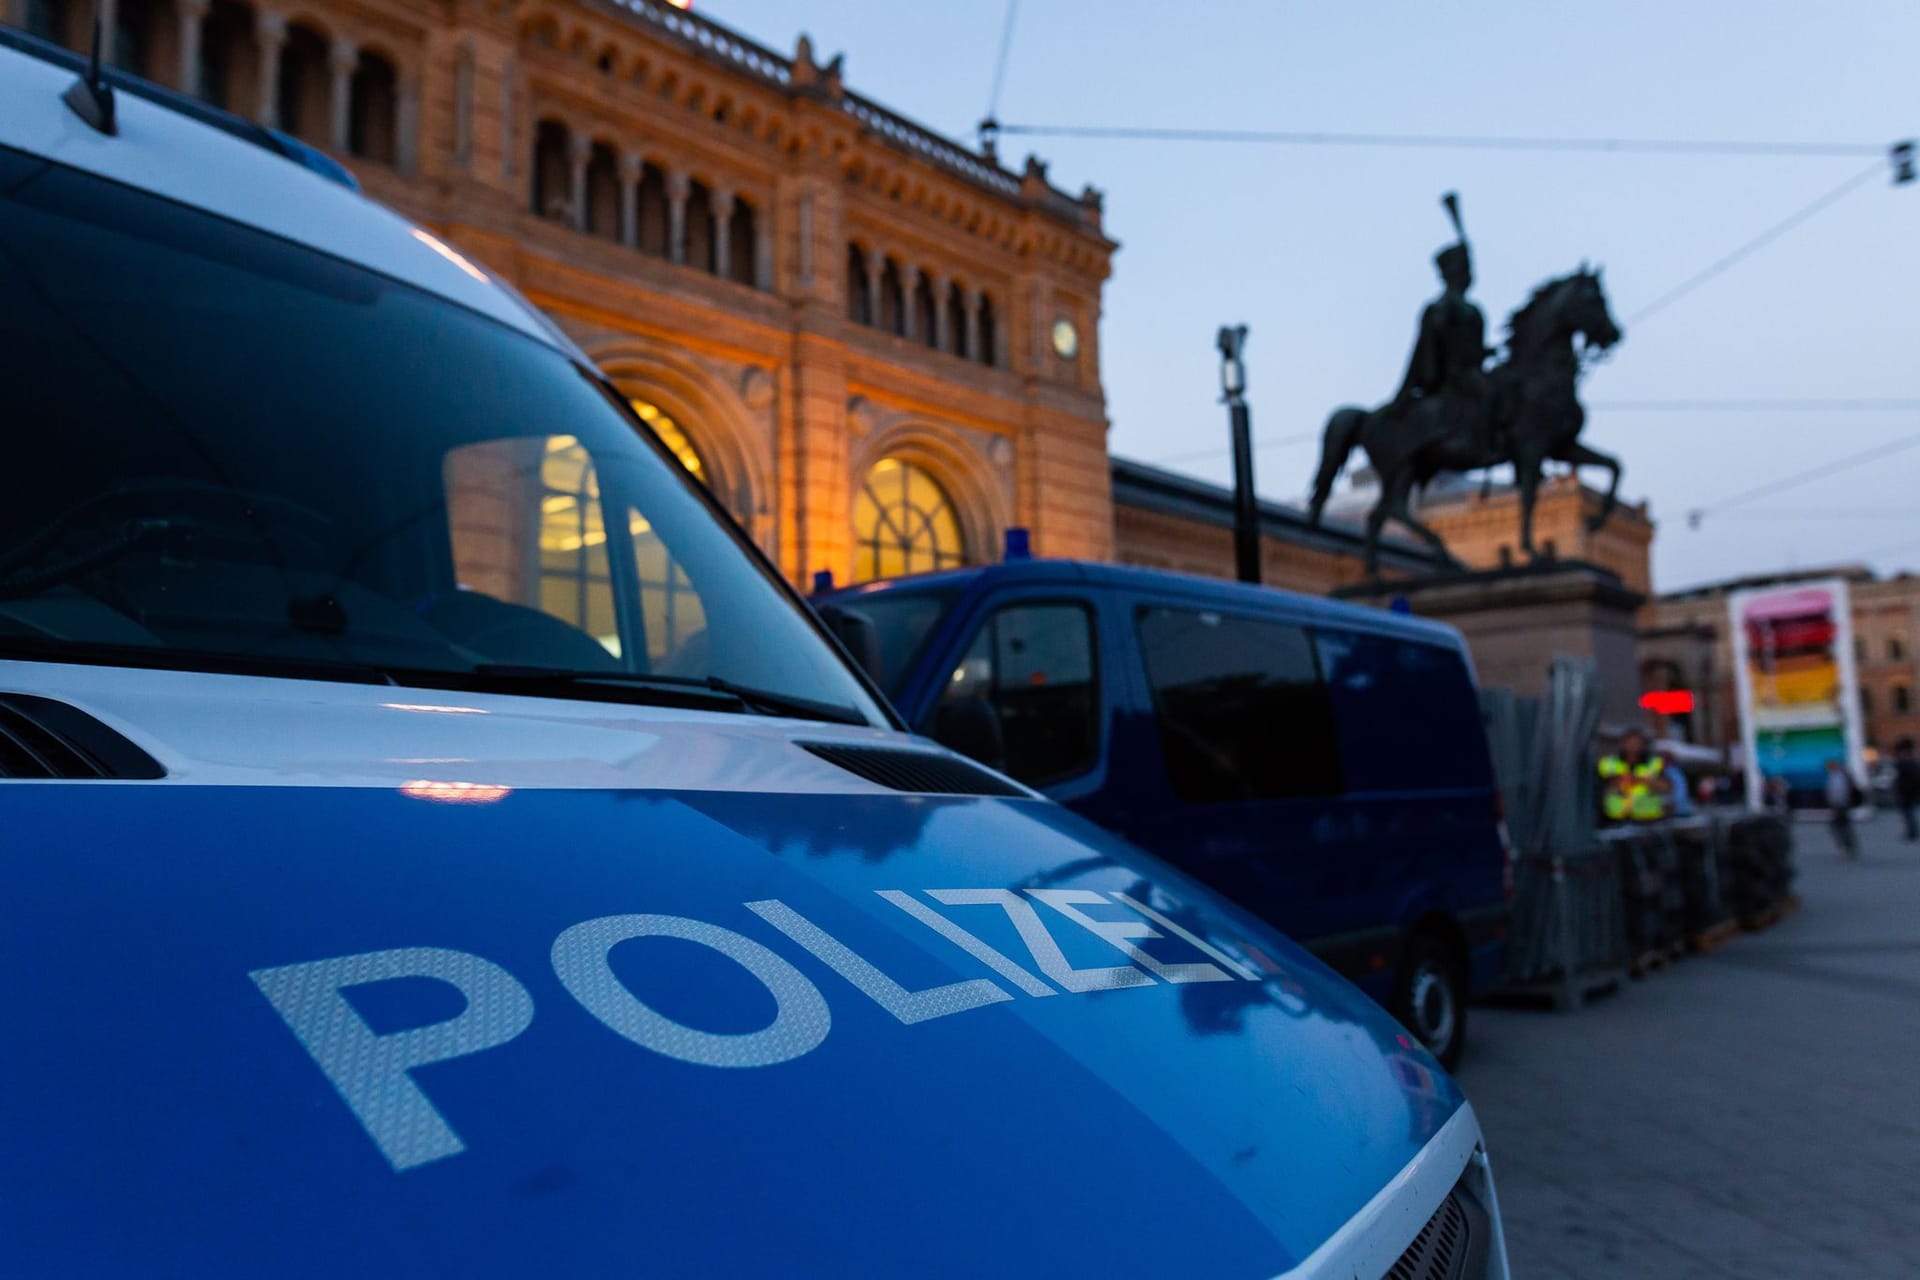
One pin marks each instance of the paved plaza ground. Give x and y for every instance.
(1752, 1113)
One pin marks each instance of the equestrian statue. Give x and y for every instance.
(1454, 413)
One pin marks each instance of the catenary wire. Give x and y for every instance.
(1000, 62)
(1458, 142)
(1799, 478)
(1759, 242)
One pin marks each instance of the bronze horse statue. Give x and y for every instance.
(1535, 416)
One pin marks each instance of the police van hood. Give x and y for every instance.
(262, 1026)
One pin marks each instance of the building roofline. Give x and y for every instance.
(800, 77)
(1150, 488)
(1726, 586)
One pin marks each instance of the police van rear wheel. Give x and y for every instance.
(1432, 997)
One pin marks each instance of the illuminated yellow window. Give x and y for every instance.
(673, 437)
(903, 522)
(575, 580)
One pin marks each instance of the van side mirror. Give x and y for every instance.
(856, 632)
(971, 726)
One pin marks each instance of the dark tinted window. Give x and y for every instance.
(1408, 715)
(1242, 712)
(902, 621)
(1034, 664)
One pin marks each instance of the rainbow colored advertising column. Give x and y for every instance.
(1798, 692)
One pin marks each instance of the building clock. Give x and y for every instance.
(1066, 339)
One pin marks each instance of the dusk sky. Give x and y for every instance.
(1325, 252)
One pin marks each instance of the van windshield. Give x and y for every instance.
(902, 623)
(225, 451)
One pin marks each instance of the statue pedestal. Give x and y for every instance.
(1516, 621)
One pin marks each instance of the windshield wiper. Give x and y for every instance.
(729, 693)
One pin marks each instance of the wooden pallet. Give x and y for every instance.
(1770, 915)
(1658, 958)
(1714, 936)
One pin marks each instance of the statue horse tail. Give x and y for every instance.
(1342, 434)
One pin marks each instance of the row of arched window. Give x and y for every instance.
(904, 521)
(291, 76)
(932, 310)
(592, 187)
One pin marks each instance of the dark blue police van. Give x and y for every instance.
(1322, 764)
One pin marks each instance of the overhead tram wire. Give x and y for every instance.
(1759, 242)
(1198, 455)
(1799, 478)
(1459, 142)
(1000, 67)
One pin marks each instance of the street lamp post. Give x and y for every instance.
(1232, 341)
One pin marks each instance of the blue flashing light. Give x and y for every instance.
(822, 581)
(1400, 604)
(1019, 544)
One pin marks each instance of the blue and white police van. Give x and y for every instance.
(434, 841)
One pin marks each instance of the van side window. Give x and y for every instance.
(1034, 665)
(1408, 714)
(1243, 714)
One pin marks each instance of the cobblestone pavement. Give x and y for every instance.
(1752, 1113)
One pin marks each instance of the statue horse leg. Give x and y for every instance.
(1527, 467)
(1579, 455)
(1396, 501)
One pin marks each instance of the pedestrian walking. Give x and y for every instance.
(1906, 786)
(1843, 795)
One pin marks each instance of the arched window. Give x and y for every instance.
(652, 210)
(305, 84)
(669, 606)
(603, 192)
(957, 322)
(372, 109)
(1896, 648)
(903, 522)
(227, 55)
(924, 327)
(742, 243)
(989, 340)
(672, 436)
(859, 301)
(893, 306)
(551, 176)
(136, 25)
(51, 20)
(699, 226)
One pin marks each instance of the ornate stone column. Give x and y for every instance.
(876, 266)
(632, 164)
(579, 151)
(270, 35)
(406, 123)
(970, 304)
(763, 248)
(679, 187)
(463, 104)
(342, 58)
(942, 324)
(193, 17)
(909, 304)
(722, 237)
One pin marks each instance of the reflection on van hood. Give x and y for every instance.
(723, 1057)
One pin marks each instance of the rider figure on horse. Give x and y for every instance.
(1450, 354)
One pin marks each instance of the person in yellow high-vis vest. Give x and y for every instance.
(1634, 782)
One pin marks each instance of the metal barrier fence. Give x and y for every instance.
(1591, 905)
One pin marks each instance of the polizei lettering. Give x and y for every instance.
(371, 1070)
